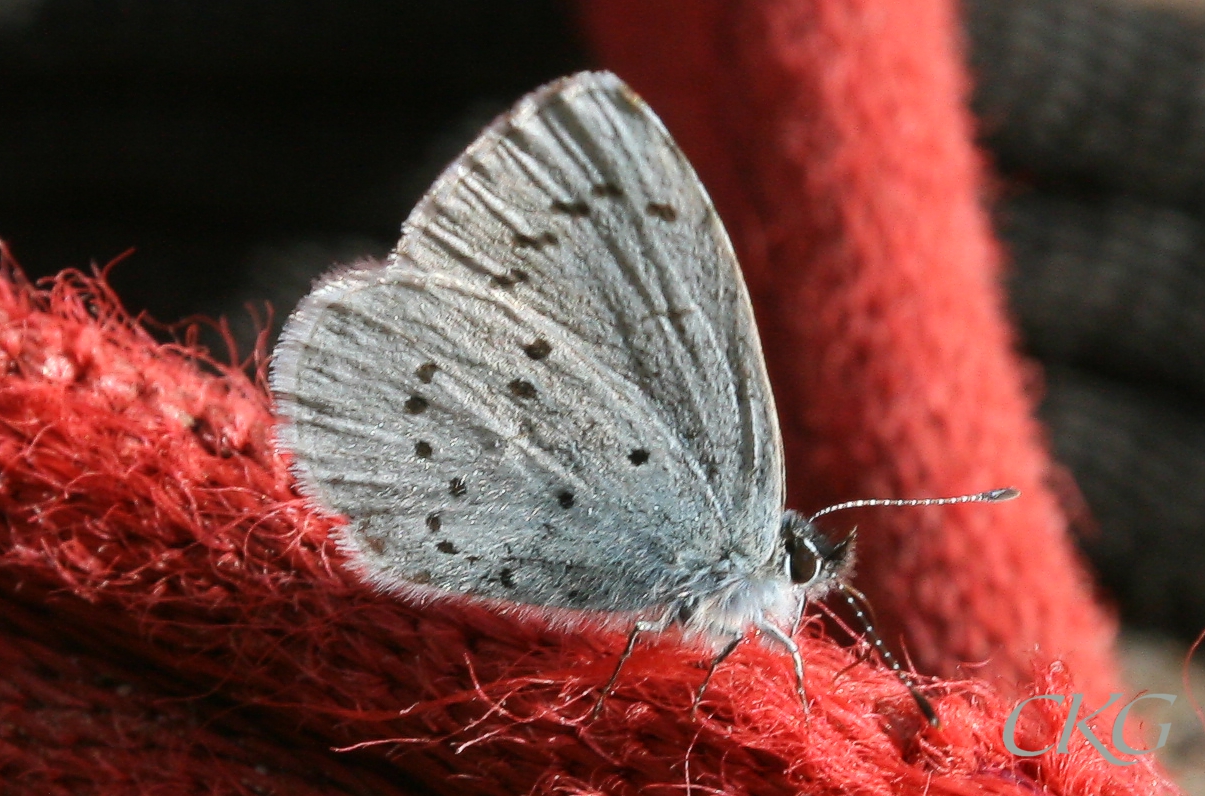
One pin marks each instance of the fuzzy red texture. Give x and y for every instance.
(176, 620)
(834, 138)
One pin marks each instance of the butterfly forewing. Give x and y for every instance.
(553, 391)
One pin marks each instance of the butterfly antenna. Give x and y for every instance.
(990, 496)
(856, 601)
(861, 606)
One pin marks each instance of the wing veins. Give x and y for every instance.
(618, 386)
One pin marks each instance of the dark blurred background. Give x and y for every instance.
(241, 148)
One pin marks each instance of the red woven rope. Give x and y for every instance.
(834, 139)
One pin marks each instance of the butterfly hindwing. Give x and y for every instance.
(552, 392)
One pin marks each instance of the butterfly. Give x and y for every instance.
(552, 393)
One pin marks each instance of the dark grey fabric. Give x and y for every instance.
(1110, 284)
(225, 139)
(1105, 94)
(1138, 455)
(1095, 112)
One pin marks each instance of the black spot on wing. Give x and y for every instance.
(426, 372)
(575, 209)
(537, 349)
(509, 279)
(608, 190)
(536, 242)
(665, 212)
(521, 388)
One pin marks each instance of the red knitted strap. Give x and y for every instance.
(833, 137)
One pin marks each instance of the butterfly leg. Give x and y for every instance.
(803, 606)
(715, 663)
(796, 659)
(637, 629)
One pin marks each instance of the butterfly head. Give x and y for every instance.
(813, 561)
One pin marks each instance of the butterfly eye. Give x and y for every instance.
(805, 564)
(806, 552)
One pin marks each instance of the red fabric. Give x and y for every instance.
(174, 619)
(834, 139)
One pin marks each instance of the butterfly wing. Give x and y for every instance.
(553, 391)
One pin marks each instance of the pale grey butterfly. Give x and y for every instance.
(552, 392)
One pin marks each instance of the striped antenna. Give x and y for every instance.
(990, 496)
